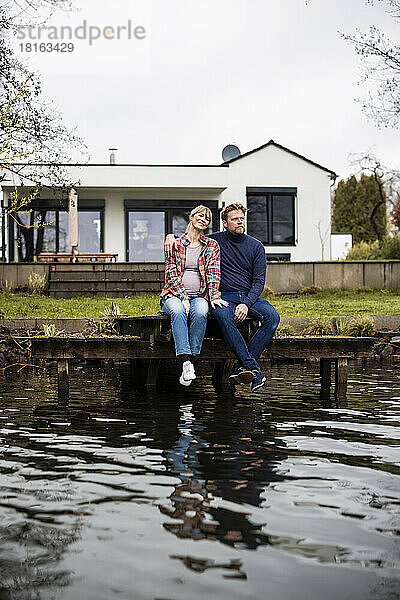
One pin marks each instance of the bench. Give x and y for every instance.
(50, 257)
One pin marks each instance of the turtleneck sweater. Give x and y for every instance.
(243, 265)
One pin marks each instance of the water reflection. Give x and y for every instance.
(29, 553)
(175, 494)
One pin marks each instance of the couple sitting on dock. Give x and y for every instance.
(226, 272)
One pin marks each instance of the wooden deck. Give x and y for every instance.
(72, 347)
(146, 341)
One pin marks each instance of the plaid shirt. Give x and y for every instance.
(209, 267)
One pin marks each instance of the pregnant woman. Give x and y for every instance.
(192, 276)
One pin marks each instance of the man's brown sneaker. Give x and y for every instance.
(245, 376)
(241, 375)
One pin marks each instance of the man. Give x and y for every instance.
(243, 269)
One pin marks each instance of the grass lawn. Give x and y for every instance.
(325, 303)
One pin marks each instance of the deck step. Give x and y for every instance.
(115, 282)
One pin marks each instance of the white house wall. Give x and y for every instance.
(132, 176)
(273, 167)
(269, 167)
(114, 214)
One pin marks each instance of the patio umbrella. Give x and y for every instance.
(73, 219)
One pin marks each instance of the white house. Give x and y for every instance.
(127, 209)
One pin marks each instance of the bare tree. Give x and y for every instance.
(34, 143)
(31, 128)
(323, 237)
(380, 59)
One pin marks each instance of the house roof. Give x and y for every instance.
(223, 164)
(272, 143)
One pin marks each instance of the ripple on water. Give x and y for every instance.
(184, 493)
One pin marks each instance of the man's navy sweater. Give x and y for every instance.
(243, 265)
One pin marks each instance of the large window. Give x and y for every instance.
(27, 240)
(271, 215)
(148, 221)
(146, 236)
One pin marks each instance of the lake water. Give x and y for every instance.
(184, 494)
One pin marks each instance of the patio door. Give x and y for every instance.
(148, 221)
(146, 233)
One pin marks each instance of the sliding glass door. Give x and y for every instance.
(146, 231)
(27, 240)
(148, 221)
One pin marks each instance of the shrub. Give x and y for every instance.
(284, 331)
(361, 327)
(391, 247)
(310, 290)
(112, 311)
(318, 327)
(364, 251)
(37, 283)
(6, 287)
(340, 326)
(51, 331)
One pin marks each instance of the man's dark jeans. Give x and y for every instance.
(261, 310)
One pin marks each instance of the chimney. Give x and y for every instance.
(113, 155)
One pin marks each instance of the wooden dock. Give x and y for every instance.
(146, 342)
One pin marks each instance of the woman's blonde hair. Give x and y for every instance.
(198, 209)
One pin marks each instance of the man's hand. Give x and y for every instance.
(186, 304)
(169, 244)
(219, 302)
(241, 312)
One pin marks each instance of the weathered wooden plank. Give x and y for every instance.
(131, 348)
(325, 372)
(341, 377)
(63, 379)
(142, 325)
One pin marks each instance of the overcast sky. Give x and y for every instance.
(213, 72)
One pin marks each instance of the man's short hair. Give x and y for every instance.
(230, 208)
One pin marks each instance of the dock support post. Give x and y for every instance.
(152, 372)
(325, 378)
(217, 374)
(340, 377)
(139, 371)
(63, 379)
(325, 372)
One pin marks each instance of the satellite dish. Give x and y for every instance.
(230, 152)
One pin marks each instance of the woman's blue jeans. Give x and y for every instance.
(261, 310)
(188, 331)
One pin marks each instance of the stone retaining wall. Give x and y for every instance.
(281, 277)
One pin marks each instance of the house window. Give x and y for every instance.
(28, 240)
(270, 216)
(148, 221)
(146, 232)
(89, 232)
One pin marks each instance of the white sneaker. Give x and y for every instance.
(188, 373)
